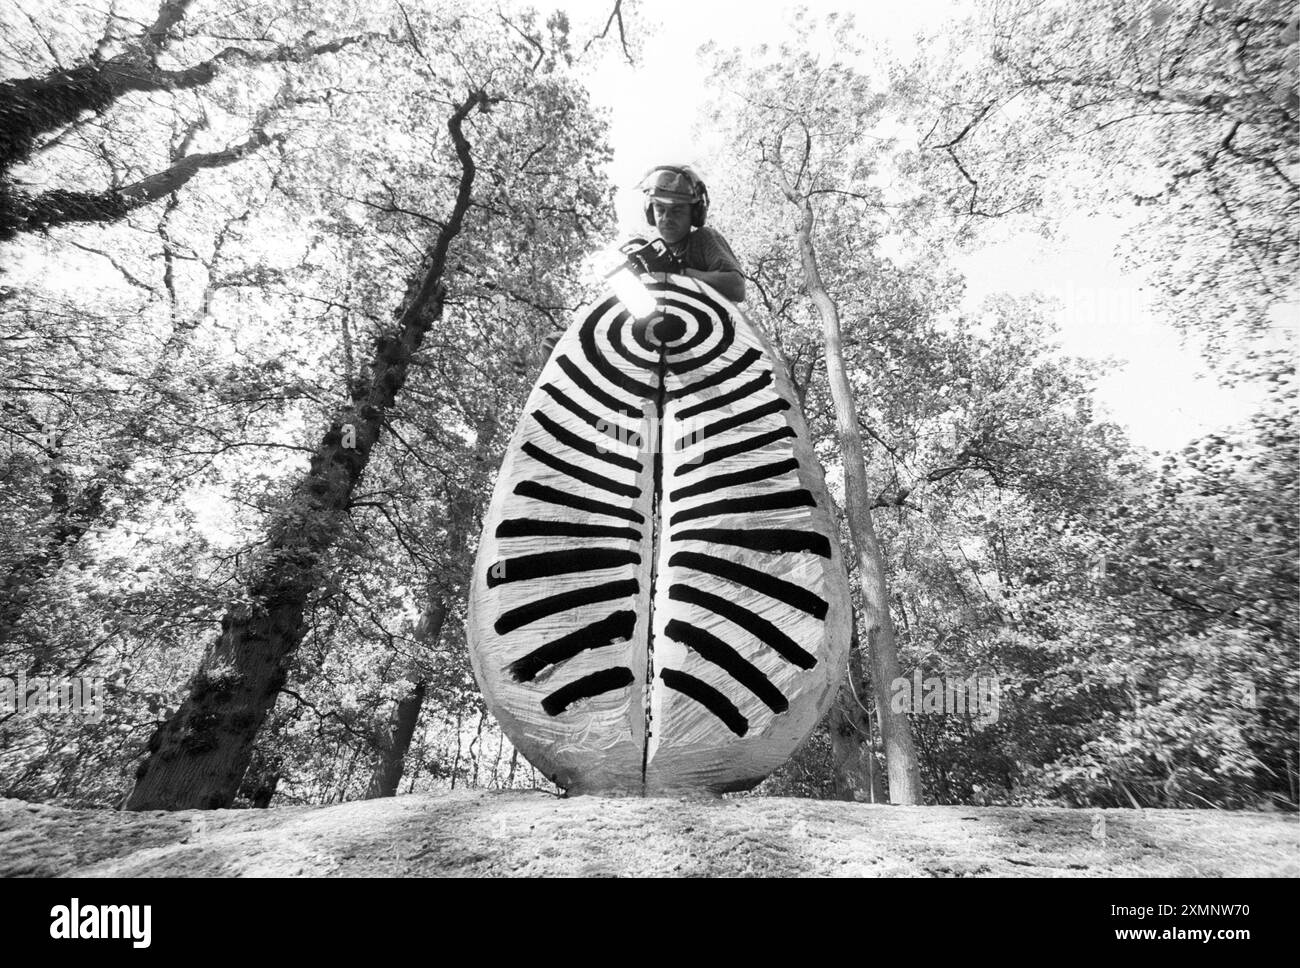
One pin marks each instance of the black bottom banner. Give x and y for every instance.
(265, 917)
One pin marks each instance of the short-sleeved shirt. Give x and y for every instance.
(707, 250)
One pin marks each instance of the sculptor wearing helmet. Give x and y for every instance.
(677, 204)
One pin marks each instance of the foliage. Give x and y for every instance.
(220, 332)
(165, 376)
(1000, 492)
(1183, 113)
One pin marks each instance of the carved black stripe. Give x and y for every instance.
(619, 343)
(517, 618)
(588, 386)
(747, 359)
(607, 427)
(761, 473)
(529, 528)
(731, 396)
(706, 328)
(607, 680)
(580, 473)
(755, 625)
(587, 337)
(731, 450)
(776, 540)
(734, 421)
(744, 505)
(597, 635)
(677, 365)
(551, 495)
(778, 588)
(584, 446)
(684, 299)
(712, 649)
(708, 697)
(550, 563)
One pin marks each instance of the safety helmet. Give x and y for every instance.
(675, 183)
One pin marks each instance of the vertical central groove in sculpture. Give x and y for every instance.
(656, 533)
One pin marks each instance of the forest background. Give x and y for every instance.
(234, 234)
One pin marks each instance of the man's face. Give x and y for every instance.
(673, 220)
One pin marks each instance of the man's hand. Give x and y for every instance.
(654, 258)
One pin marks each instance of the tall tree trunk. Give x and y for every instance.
(341, 793)
(455, 762)
(476, 747)
(265, 771)
(896, 732)
(391, 761)
(462, 518)
(197, 758)
(419, 761)
(393, 746)
(496, 763)
(852, 751)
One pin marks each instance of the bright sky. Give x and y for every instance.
(1160, 393)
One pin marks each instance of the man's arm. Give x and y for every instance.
(723, 272)
(730, 284)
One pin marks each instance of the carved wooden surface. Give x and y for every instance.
(659, 601)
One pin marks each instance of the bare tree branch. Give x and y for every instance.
(122, 270)
(59, 207)
(615, 16)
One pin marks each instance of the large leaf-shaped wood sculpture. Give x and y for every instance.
(659, 602)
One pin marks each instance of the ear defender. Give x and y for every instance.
(700, 210)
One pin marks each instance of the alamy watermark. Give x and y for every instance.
(53, 695)
(646, 436)
(76, 921)
(977, 696)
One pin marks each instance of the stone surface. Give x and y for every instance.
(478, 833)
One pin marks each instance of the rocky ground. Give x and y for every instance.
(478, 833)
